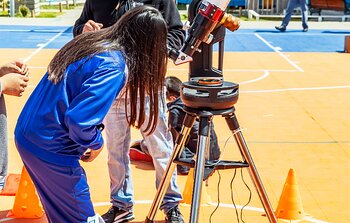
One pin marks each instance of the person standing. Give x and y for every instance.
(60, 123)
(99, 14)
(13, 81)
(292, 4)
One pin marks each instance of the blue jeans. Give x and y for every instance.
(3, 142)
(159, 143)
(292, 4)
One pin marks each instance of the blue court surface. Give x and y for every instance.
(243, 40)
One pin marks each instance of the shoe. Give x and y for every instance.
(136, 154)
(9, 185)
(174, 216)
(280, 28)
(1, 186)
(115, 215)
(2, 182)
(305, 29)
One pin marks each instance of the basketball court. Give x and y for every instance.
(293, 110)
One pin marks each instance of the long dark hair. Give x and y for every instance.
(140, 34)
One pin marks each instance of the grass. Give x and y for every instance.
(4, 13)
(49, 14)
(56, 7)
(41, 15)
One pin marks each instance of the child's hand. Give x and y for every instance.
(91, 26)
(14, 67)
(13, 84)
(90, 155)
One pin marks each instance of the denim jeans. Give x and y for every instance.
(292, 4)
(3, 142)
(159, 143)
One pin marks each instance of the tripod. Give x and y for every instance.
(219, 100)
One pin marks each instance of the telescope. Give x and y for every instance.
(207, 22)
(203, 18)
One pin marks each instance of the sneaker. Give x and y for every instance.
(305, 29)
(136, 154)
(1, 186)
(174, 216)
(115, 215)
(2, 182)
(280, 28)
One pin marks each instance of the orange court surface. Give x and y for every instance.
(293, 110)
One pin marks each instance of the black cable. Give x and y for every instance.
(233, 201)
(217, 206)
(250, 195)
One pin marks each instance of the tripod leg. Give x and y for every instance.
(232, 122)
(164, 183)
(203, 143)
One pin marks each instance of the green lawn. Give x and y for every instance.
(49, 14)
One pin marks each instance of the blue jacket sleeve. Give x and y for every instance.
(91, 105)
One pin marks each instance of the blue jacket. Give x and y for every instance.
(58, 122)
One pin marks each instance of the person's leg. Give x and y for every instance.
(289, 11)
(143, 147)
(118, 141)
(3, 143)
(160, 146)
(304, 14)
(63, 191)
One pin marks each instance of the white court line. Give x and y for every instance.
(294, 34)
(14, 30)
(30, 30)
(279, 53)
(42, 47)
(265, 75)
(297, 89)
(261, 210)
(235, 70)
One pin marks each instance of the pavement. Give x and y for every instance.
(67, 19)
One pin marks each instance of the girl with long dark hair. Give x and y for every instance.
(59, 124)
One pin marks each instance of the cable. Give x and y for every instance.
(233, 202)
(231, 185)
(217, 206)
(250, 195)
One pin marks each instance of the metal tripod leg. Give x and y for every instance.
(164, 183)
(232, 122)
(203, 143)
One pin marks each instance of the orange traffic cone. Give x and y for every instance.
(290, 206)
(11, 185)
(27, 204)
(187, 193)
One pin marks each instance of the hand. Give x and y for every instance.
(14, 67)
(13, 84)
(91, 26)
(90, 155)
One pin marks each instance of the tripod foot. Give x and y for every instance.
(147, 220)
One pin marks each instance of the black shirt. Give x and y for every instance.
(108, 12)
